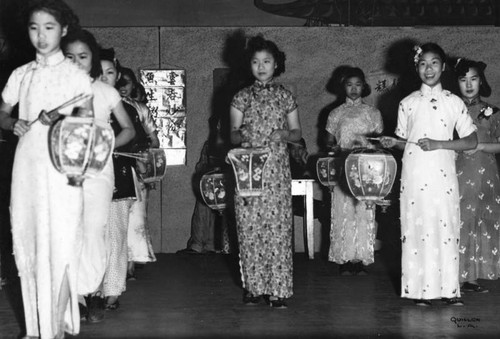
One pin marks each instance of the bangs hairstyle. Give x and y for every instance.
(88, 39)
(356, 72)
(259, 44)
(127, 72)
(464, 65)
(63, 14)
(433, 48)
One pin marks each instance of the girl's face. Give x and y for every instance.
(45, 33)
(80, 54)
(353, 88)
(429, 68)
(109, 73)
(126, 90)
(263, 66)
(469, 84)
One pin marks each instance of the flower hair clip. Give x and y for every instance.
(486, 112)
(418, 53)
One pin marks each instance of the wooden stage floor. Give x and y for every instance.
(182, 296)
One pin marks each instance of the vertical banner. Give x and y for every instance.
(166, 95)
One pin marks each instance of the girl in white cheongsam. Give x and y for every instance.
(45, 211)
(430, 209)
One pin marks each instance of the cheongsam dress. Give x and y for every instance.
(264, 223)
(430, 207)
(352, 232)
(479, 185)
(46, 212)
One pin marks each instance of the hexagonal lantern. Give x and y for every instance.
(80, 147)
(249, 165)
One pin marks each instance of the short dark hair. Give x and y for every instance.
(356, 72)
(57, 8)
(434, 48)
(87, 38)
(463, 65)
(258, 44)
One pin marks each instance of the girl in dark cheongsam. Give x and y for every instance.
(265, 115)
(479, 183)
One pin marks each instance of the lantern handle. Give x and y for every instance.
(74, 100)
(396, 140)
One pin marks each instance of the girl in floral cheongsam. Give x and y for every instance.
(479, 183)
(265, 115)
(430, 209)
(352, 234)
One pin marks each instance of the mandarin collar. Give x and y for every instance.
(51, 60)
(431, 91)
(473, 101)
(350, 102)
(259, 85)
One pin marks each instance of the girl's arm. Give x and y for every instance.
(294, 132)
(390, 142)
(18, 126)
(466, 143)
(128, 132)
(489, 147)
(236, 119)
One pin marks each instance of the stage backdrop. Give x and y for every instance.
(313, 56)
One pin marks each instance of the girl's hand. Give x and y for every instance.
(479, 147)
(279, 135)
(388, 142)
(48, 118)
(427, 144)
(20, 127)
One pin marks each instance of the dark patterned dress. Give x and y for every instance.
(264, 223)
(479, 186)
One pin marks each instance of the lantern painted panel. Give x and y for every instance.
(213, 190)
(370, 174)
(166, 95)
(328, 170)
(80, 147)
(249, 165)
(151, 165)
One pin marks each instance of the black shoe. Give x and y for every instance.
(470, 287)
(453, 301)
(278, 303)
(189, 251)
(83, 312)
(422, 302)
(360, 269)
(250, 299)
(346, 269)
(96, 308)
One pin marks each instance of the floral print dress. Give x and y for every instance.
(352, 234)
(264, 223)
(429, 202)
(479, 185)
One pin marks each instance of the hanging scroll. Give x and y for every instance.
(166, 95)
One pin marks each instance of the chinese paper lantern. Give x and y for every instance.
(151, 165)
(370, 175)
(328, 170)
(80, 147)
(249, 165)
(213, 190)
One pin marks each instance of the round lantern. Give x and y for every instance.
(370, 175)
(213, 190)
(249, 165)
(151, 165)
(80, 147)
